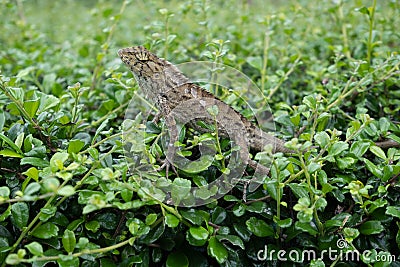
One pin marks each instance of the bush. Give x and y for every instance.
(329, 71)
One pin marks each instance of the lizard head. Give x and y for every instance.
(142, 62)
(154, 75)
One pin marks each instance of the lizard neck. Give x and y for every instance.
(170, 77)
(173, 76)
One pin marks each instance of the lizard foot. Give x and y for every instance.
(167, 164)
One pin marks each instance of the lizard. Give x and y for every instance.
(166, 86)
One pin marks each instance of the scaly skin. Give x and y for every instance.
(177, 98)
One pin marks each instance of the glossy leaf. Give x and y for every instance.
(177, 259)
(171, 220)
(217, 250)
(46, 231)
(198, 232)
(371, 227)
(35, 248)
(69, 241)
(20, 214)
(259, 227)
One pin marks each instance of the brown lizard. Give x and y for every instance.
(167, 87)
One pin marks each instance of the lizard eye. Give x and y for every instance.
(157, 75)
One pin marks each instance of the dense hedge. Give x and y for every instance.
(328, 69)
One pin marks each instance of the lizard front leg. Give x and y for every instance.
(165, 110)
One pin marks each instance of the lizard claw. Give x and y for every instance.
(167, 164)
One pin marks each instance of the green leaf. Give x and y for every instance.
(32, 188)
(219, 215)
(363, 10)
(199, 165)
(322, 139)
(317, 263)
(46, 231)
(75, 146)
(7, 153)
(259, 228)
(373, 168)
(306, 227)
(177, 259)
(171, 220)
(233, 239)
(151, 218)
(41, 163)
(231, 198)
(68, 261)
(4, 215)
(153, 234)
(31, 106)
(57, 161)
(313, 167)
(310, 101)
(69, 241)
(371, 227)
(394, 138)
(51, 184)
(393, 211)
(2, 120)
(299, 190)
(213, 110)
(272, 189)
(13, 259)
(126, 194)
(217, 250)
(66, 191)
(20, 214)
(321, 203)
(35, 248)
(303, 203)
(47, 213)
(239, 209)
(344, 163)
(49, 102)
(103, 125)
(180, 189)
(32, 173)
(337, 148)
(4, 192)
(93, 226)
(350, 234)
(11, 144)
(378, 152)
(255, 62)
(384, 124)
(195, 242)
(203, 193)
(358, 148)
(284, 223)
(257, 207)
(305, 216)
(196, 217)
(198, 232)
(19, 140)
